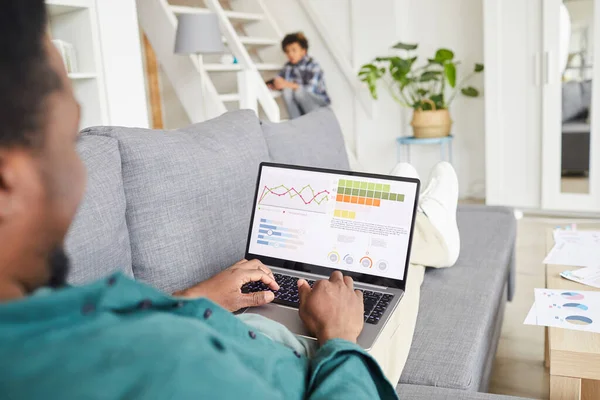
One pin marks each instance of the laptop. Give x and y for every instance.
(308, 222)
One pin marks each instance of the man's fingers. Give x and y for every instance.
(349, 282)
(252, 264)
(359, 294)
(336, 277)
(256, 299)
(254, 275)
(303, 290)
(266, 270)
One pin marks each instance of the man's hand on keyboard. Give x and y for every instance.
(225, 287)
(332, 309)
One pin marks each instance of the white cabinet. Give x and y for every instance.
(537, 54)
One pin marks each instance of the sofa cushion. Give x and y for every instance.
(98, 240)
(415, 392)
(315, 139)
(189, 196)
(460, 305)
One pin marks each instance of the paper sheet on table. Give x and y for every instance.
(587, 276)
(531, 318)
(576, 248)
(568, 309)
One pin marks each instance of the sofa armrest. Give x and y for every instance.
(417, 392)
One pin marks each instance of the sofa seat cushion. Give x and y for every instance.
(189, 196)
(98, 240)
(460, 305)
(314, 139)
(415, 392)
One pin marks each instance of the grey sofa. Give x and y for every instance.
(172, 208)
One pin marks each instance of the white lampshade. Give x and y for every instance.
(198, 34)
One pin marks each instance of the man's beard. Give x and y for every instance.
(59, 265)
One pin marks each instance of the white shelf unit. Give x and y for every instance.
(75, 22)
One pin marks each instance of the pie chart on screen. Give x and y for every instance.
(578, 320)
(572, 295)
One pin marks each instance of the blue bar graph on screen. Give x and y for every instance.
(272, 233)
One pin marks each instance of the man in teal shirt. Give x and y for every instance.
(116, 338)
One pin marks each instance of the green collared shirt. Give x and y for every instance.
(120, 339)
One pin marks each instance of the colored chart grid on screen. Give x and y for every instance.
(365, 193)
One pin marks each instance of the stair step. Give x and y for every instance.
(231, 97)
(257, 41)
(234, 16)
(238, 67)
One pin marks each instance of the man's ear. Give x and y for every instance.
(16, 175)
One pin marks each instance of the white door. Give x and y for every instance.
(570, 106)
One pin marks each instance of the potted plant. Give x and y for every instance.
(428, 89)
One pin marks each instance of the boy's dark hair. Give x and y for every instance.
(26, 77)
(297, 37)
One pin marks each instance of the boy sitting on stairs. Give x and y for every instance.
(301, 79)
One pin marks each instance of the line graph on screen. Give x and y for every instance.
(306, 198)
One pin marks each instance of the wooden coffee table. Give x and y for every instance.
(573, 356)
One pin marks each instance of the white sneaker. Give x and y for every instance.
(439, 202)
(406, 170)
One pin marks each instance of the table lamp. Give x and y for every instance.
(199, 34)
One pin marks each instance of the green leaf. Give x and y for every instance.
(478, 67)
(435, 62)
(430, 76)
(438, 99)
(443, 55)
(369, 74)
(470, 91)
(450, 72)
(422, 92)
(405, 46)
(400, 67)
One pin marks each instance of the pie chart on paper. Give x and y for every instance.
(572, 295)
(576, 305)
(578, 320)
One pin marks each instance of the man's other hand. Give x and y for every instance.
(332, 309)
(225, 288)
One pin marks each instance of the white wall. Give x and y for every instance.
(290, 16)
(122, 63)
(456, 25)
(366, 29)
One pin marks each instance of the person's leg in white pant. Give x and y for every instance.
(436, 243)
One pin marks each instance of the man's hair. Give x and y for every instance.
(26, 77)
(297, 37)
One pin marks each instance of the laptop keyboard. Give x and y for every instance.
(375, 302)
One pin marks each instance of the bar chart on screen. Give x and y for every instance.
(273, 233)
(361, 200)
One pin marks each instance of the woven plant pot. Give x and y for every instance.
(431, 124)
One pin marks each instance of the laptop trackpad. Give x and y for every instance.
(286, 316)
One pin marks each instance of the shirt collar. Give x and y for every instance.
(304, 60)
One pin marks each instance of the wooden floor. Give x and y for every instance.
(518, 368)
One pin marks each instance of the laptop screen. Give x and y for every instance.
(358, 223)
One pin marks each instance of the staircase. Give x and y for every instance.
(250, 36)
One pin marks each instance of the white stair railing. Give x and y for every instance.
(189, 80)
(249, 77)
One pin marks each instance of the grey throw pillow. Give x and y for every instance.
(189, 196)
(314, 140)
(98, 240)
